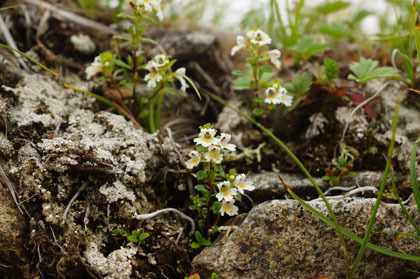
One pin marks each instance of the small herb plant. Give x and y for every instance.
(125, 74)
(334, 175)
(135, 236)
(218, 190)
(269, 92)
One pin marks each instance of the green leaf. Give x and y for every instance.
(266, 69)
(205, 242)
(301, 83)
(214, 276)
(335, 180)
(198, 236)
(150, 41)
(243, 83)
(202, 174)
(326, 178)
(413, 174)
(143, 236)
(265, 79)
(352, 173)
(195, 245)
(331, 68)
(342, 162)
(239, 73)
(121, 64)
(258, 111)
(307, 46)
(121, 37)
(216, 207)
(331, 7)
(367, 69)
(202, 149)
(334, 30)
(259, 100)
(200, 187)
(125, 16)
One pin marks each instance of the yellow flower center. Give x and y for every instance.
(227, 207)
(242, 186)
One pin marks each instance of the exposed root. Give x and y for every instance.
(167, 210)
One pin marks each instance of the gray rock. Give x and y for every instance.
(282, 240)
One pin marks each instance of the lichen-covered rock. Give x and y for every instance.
(281, 240)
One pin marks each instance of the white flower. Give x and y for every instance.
(274, 56)
(206, 137)
(150, 5)
(154, 76)
(284, 98)
(179, 75)
(225, 191)
(214, 154)
(272, 95)
(160, 60)
(224, 142)
(258, 37)
(242, 185)
(229, 208)
(96, 67)
(241, 43)
(195, 159)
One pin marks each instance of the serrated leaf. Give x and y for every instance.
(331, 68)
(367, 69)
(201, 175)
(265, 79)
(307, 46)
(243, 83)
(301, 83)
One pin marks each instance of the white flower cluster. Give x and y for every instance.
(227, 189)
(257, 38)
(150, 6)
(157, 67)
(277, 94)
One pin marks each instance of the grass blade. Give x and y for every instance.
(413, 176)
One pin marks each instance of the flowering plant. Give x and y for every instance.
(269, 91)
(123, 75)
(219, 190)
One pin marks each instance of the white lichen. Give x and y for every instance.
(116, 192)
(116, 266)
(83, 43)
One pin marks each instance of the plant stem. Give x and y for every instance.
(152, 127)
(159, 106)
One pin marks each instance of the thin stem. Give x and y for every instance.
(381, 189)
(159, 107)
(152, 127)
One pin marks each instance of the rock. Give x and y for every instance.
(281, 240)
(268, 185)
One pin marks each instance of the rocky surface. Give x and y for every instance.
(281, 240)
